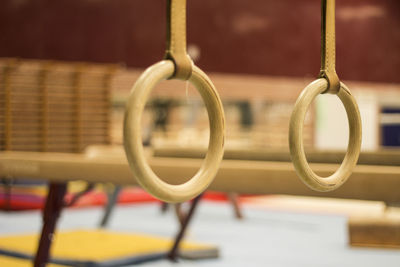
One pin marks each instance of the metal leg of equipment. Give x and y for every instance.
(51, 213)
(173, 253)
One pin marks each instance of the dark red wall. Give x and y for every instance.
(273, 37)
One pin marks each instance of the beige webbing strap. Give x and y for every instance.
(176, 39)
(328, 46)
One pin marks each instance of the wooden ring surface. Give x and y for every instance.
(133, 141)
(296, 137)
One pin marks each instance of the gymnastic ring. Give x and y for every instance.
(133, 141)
(296, 137)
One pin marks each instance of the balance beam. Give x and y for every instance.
(368, 182)
(385, 157)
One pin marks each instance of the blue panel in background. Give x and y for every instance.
(391, 135)
(390, 132)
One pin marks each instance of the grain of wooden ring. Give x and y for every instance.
(296, 137)
(133, 142)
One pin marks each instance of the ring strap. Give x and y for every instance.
(176, 39)
(328, 43)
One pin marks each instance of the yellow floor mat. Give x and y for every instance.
(6, 261)
(97, 247)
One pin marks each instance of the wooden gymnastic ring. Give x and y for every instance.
(296, 138)
(133, 141)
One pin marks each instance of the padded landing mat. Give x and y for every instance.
(6, 261)
(32, 196)
(99, 248)
(28, 197)
(319, 205)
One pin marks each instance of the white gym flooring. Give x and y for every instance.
(262, 238)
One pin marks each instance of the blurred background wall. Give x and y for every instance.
(268, 37)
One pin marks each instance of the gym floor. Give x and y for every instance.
(263, 237)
